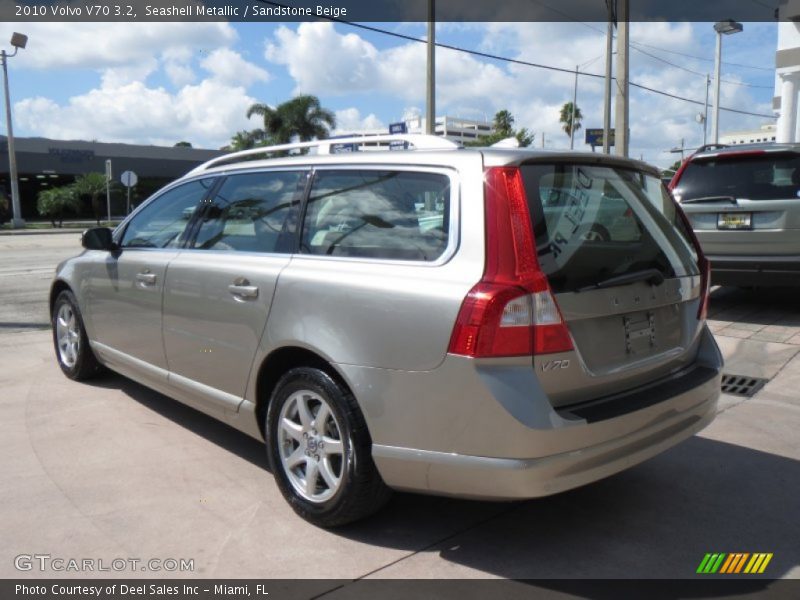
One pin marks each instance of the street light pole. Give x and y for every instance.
(430, 121)
(727, 27)
(18, 41)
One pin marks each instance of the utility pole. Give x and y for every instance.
(572, 116)
(705, 111)
(430, 121)
(621, 122)
(607, 102)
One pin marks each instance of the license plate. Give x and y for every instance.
(735, 221)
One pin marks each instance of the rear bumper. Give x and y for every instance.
(482, 432)
(486, 478)
(755, 270)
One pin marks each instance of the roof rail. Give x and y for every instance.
(419, 141)
(706, 147)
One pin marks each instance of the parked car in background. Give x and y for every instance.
(484, 322)
(744, 205)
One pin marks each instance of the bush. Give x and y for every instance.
(54, 202)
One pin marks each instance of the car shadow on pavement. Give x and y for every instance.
(758, 306)
(198, 423)
(656, 520)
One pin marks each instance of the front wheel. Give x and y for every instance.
(320, 450)
(75, 357)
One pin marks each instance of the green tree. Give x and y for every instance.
(244, 140)
(54, 202)
(92, 185)
(183, 145)
(504, 123)
(274, 125)
(568, 122)
(504, 128)
(302, 117)
(524, 137)
(307, 119)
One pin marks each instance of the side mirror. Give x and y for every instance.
(98, 238)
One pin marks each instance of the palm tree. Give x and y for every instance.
(274, 124)
(307, 119)
(504, 123)
(92, 185)
(302, 117)
(570, 123)
(244, 140)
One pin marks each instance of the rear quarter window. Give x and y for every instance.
(377, 214)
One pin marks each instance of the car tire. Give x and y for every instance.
(74, 355)
(324, 468)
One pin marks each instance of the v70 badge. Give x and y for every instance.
(554, 365)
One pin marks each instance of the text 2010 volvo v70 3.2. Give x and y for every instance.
(485, 323)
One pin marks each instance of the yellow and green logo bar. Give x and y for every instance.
(733, 563)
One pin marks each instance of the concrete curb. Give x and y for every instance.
(41, 231)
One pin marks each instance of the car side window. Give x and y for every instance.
(162, 223)
(251, 213)
(399, 215)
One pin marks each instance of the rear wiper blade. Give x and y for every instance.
(730, 199)
(651, 276)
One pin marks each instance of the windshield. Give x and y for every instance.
(592, 223)
(769, 176)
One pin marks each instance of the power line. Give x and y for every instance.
(599, 30)
(703, 75)
(547, 67)
(705, 58)
(518, 62)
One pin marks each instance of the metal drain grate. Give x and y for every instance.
(742, 385)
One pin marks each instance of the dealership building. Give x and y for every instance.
(44, 163)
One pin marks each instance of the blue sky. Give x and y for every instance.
(164, 82)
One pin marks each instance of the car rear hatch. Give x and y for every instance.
(622, 267)
(743, 202)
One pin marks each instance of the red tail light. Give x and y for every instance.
(511, 311)
(702, 264)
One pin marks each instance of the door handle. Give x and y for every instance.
(242, 289)
(146, 278)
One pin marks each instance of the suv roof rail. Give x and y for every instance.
(419, 141)
(705, 147)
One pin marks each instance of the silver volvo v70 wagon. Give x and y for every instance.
(487, 323)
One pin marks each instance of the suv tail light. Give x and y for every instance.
(511, 311)
(702, 262)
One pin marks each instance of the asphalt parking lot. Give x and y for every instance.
(111, 469)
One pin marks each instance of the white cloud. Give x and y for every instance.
(472, 87)
(104, 45)
(124, 107)
(206, 114)
(320, 59)
(350, 119)
(228, 67)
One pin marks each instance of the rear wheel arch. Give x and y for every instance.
(279, 362)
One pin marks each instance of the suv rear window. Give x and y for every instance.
(593, 222)
(399, 215)
(766, 176)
